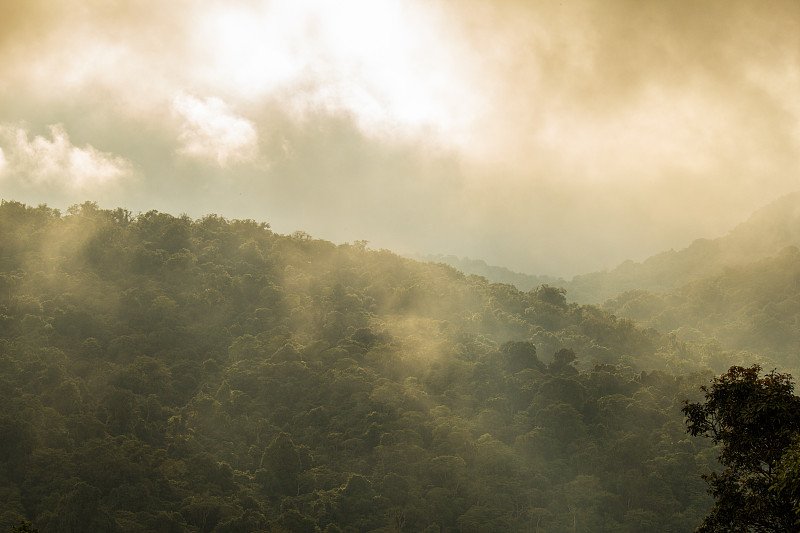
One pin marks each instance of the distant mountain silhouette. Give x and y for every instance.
(767, 231)
(753, 307)
(495, 274)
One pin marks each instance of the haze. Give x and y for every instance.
(551, 138)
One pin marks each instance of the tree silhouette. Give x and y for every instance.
(754, 419)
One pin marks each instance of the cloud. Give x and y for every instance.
(56, 162)
(553, 137)
(211, 132)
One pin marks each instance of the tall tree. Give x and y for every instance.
(754, 419)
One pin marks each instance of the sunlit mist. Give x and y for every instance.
(551, 138)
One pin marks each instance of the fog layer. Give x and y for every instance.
(548, 138)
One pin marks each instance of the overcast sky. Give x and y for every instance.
(548, 137)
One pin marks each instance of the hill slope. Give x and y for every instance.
(495, 274)
(770, 229)
(159, 373)
(766, 232)
(754, 307)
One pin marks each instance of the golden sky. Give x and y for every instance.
(549, 137)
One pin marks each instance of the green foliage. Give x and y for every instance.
(752, 308)
(24, 527)
(159, 373)
(756, 421)
(787, 478)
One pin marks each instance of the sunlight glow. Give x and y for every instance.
(383, 61)
(212, 132)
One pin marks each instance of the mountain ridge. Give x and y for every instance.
(769, 229)
(764, 233)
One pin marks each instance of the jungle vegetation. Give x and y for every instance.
(159, 373)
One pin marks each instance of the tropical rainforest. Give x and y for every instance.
(159, 373)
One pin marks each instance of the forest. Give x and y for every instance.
(165, 374)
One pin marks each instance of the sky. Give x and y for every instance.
(548, 137)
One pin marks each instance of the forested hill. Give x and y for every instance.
(764, 234)
(753, 307)
(769, 230)
(159, 373)
(496, 274)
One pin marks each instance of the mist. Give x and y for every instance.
(213, 375)
(210, 320)
(549, 139)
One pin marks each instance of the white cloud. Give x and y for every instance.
(56, 161)
(212, 132)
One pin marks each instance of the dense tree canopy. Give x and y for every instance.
(755, 420)
(753, 307)
(159, 373)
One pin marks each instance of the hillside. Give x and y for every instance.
(495, 274)
(769, 230)
(753, 307)
(766, 232)
(167, 374)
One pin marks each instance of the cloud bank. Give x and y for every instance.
(56, 162)
(211, 131)
(547, 137)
